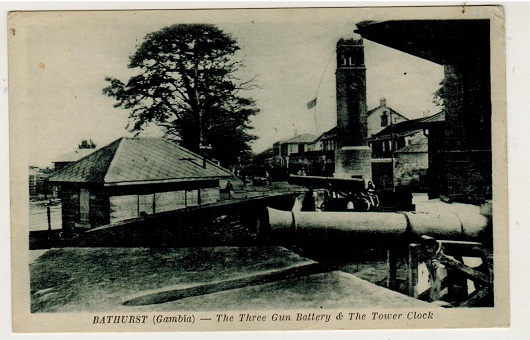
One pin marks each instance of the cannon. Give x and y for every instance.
(449, 244)
(354, 194)
(357, 184)
(331, 226)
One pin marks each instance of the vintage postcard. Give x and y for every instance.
(258, 169)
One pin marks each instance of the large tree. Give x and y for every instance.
(187, 84)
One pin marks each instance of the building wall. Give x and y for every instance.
(436, 174)
(293, 148)
(110, 205)
(401, 168)
(467, 144)
(384, 149)
(99, 207)
(70, 206)
(98, 204)
(133, 206)
(469, 175)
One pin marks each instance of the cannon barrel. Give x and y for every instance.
(341, 225)
(320, 182)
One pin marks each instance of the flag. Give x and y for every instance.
(312, 104)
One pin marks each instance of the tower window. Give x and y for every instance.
(384, 120)
(344, 60)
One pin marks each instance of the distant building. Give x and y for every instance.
(344, 151)
(381, 117)
(400, 156)
(133, 177)
(290, 154)
(317, 155)
(37, 182)
(323, 154)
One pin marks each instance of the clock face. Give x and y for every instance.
(357, 83)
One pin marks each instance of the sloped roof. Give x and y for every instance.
(400, 129)
(305, 138)
(73, 156)
(139, 161)
(37, 172)
(439, 117)
(330, 133)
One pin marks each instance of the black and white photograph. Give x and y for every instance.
(258, 169)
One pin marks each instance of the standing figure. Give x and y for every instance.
(308, 204)
(370, 190)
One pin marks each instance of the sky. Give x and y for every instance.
(291, 55)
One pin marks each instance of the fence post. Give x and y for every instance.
(392, 269)
(413, 261)
(48, 213)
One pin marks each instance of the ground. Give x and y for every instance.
(101, 279)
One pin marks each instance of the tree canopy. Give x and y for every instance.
(87, 144)
(187, 84)
(450, 92)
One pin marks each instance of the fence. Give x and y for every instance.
(45, 215)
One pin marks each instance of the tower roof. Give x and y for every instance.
(353, 42)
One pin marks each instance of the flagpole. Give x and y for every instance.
(313, 103)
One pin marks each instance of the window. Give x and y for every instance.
(401, 143)
(145, 204)
(301, 148)
(384, 120)
(84, 205)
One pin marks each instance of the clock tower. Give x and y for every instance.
(353, 156)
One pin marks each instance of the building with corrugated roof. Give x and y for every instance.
(134, 177)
